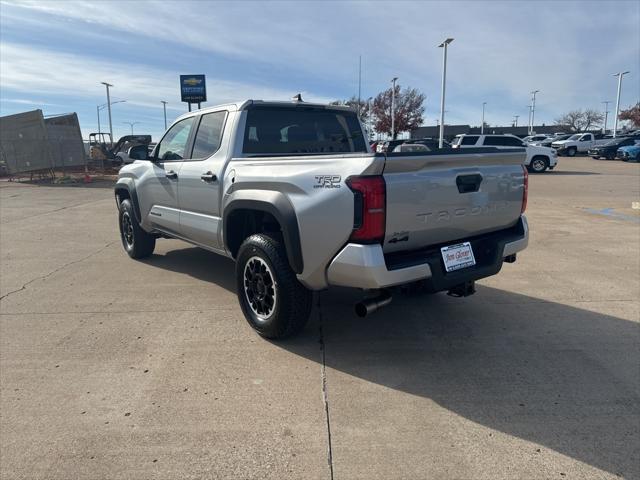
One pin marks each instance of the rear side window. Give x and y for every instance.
(469, 140)
(292, 130)
(502, 142)
(209, 135)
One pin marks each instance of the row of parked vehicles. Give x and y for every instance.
(624, 147)
(538, 158)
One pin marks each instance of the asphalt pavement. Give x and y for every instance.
(115, 368)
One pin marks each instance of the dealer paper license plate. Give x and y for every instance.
(458, 256)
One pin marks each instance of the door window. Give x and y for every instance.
(209, 135)
(174, 143)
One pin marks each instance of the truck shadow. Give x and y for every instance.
(549, 373)
(559, 376)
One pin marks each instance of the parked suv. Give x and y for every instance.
(291, 192)
(538, 158)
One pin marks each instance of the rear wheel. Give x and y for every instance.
(136, 242)
(539, 164)
(272, 299)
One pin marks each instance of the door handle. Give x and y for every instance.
(208, 177)
(171, 174)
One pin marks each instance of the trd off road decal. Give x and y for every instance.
(327, 181)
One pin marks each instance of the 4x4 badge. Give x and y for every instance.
(327, 181)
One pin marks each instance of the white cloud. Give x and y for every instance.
(35, 71)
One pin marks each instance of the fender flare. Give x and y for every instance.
(128, 185)
(276, 204)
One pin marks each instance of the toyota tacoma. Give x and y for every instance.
(292, 193)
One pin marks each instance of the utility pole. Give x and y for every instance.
(98, 112)
(443, 45)
(109, 109)
(516, 120)
(615, 121)
(533, 110)
(359, 81)
(482, 126)
(132, 124)
(606, 115)
(393, 107)
(370, 117)
(164, 106)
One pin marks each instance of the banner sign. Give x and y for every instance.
(193, 88)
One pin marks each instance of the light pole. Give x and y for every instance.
(615, 121)
(393, 107)
(606, 115)
(516, 118)
(164, 106)
(529, 124)
(359, 81)
(131, 124)
(370, 122)
(109, 108)
(482, 126)
(533, 110)
(102, 107)
(443, 45)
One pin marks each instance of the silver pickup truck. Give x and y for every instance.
(292, 192)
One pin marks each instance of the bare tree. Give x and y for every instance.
(408, 110)
(581, 120)
(352, 102)
(632, 114)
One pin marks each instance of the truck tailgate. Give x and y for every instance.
(444, 197)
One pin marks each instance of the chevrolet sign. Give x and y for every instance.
(193, 88)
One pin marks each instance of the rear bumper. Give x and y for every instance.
(366, 266)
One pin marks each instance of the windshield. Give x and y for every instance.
(276, 130)
(575, 137)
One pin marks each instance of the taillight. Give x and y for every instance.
(525, 193)
(370, 204)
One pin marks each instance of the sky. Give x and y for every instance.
(53, 55)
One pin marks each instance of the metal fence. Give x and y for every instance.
(29, 142)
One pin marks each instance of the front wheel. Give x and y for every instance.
(136, 242)
(272, 299)
(572, 152)
(538, 164)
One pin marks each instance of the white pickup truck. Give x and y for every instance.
(579, 143)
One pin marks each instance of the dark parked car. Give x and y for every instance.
(430, 143)
(547, 142)
(608, 150)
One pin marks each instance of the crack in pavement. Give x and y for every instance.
(54, 211)
(325, 398)
(47, 275)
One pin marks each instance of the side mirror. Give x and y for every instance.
(139, 152)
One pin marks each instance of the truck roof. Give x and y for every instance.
(245, 104)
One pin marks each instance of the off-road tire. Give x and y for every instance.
(291, 300)
(136, 242)
(538, 164)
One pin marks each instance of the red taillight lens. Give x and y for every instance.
(525, 193)
(370, 206)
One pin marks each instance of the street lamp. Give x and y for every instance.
(164, 106)
(443, 45)
(533, 110)
(370, 119)
(529, 124)
(393, 107)
(102, 107)
(482, 125)
(606, 115)
(132, 124)
(615, 121)
(109, 108)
